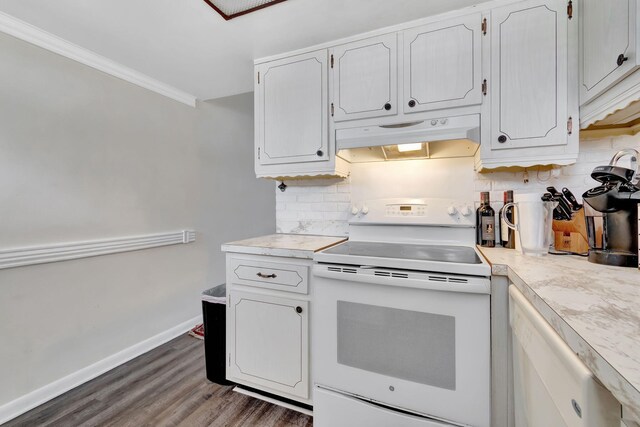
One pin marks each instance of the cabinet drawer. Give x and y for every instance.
(270, 275)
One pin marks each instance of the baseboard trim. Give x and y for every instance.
(41, 38)
(39, 396)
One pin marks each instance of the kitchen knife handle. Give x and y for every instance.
(572, 199)
(563, 204)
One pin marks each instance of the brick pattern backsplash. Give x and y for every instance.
(314, 206)
(576, 177)
(323, 206)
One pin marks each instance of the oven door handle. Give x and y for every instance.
(474, 285)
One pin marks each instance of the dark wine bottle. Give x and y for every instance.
(507, 235)
(485, 222)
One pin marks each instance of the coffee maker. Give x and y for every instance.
(617, 198)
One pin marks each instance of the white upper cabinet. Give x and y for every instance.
(529, 81)
(442, 64)
(512, 62)
(292, 109)
(608, 47)
(364, 78)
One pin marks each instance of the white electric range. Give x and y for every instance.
(401, 323)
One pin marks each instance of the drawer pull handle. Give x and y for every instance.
(266, 276)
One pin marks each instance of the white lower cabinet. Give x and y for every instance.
(269, 345)
(268, 328)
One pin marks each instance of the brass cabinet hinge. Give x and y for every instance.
(570, 9)
(258, 77)
(484, 87)
(332, 60)
(484, 26)
(570, 126)
(332, 109)
(258, 159)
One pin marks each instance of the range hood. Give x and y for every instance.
(444, 137)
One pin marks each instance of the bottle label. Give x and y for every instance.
(488, 228)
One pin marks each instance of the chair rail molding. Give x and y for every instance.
(41, 38)
(20, 257)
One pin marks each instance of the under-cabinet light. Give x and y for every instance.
(409, 147)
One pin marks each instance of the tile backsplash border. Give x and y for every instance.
(322, 206)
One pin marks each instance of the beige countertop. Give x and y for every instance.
(594, 308)
(284, 245)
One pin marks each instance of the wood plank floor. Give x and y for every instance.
(165, 387)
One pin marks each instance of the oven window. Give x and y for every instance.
(410, 345)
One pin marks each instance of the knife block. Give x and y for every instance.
(571, 235)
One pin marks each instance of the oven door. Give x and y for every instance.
(418, 344)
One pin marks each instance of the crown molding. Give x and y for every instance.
(20, 257)
(38, 37)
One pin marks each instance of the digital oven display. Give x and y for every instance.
(405, 208)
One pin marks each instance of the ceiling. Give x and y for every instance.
(186, 44)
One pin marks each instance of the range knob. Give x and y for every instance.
(466, 211)
(364, 210)
(451, 210)
(355, 210)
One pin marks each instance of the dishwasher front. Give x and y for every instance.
(552, 387)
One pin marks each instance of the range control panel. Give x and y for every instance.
(405, 210)
(426, 211)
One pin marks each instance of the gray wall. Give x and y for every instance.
(84, 155)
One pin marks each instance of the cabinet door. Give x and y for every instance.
(292, 109)
(269, 342)
(608, 32)
(442, 64)
(365, 78)
(529, 74)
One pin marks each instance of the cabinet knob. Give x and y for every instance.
(502, 139)
(387, 106)
(319, 153)
(621, 59)
(298, 309)
(412, 103)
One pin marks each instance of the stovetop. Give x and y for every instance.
(428, 234)
(451, 254)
